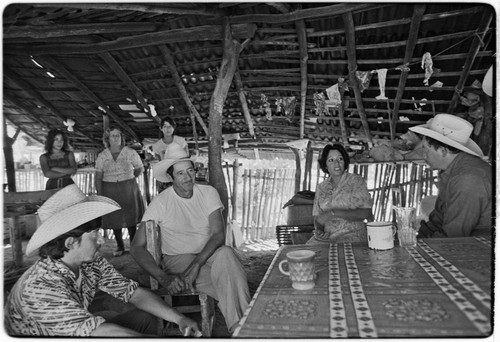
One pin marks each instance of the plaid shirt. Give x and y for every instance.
(46, 300)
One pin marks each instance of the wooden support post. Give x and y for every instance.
(9, 159)
(231, 51)
(306, 185)
(298, 169)
(300, 27)
(236, 170)
(352, 66)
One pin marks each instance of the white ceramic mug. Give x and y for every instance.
(380, 235)
(301, 268)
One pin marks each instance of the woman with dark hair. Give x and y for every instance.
(117, 168)
(58, 162)
(167, 138)
(342, 202)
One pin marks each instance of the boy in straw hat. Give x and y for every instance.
(192, 239)
(52, 297)
(463, 205)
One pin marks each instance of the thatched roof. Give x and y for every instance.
(80, 61)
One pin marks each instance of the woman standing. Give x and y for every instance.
(58, 163)
(167, 128)
(342, 201)
(116, 170)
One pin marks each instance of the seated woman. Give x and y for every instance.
(342, 201)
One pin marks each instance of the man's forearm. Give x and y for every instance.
(211, 246)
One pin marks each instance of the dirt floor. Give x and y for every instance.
(255, 257)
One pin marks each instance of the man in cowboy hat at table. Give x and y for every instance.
(463, 206)
(192, 239)
(52, 297)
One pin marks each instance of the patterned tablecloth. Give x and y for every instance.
(441, 288)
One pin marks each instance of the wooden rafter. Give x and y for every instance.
(24, 108)
(244, 104)
(167, 56)
(410, 47)
(200, 33)
(33, 93)
(59, 68)
(352, 65)
(474, 49)
(122, 75)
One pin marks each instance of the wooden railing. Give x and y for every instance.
(256, 203)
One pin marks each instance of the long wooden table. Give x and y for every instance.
(441, 288)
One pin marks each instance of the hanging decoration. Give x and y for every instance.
(279, 105)
(289, 107)
(364, 78)
(69, 123)
(319, 103)
(334, 99)
(382, 74)
(427, 66)
(265, 107)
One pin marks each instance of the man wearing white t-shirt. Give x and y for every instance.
(192, 240)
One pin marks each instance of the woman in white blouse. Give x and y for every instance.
(168, 138)
(116, 170)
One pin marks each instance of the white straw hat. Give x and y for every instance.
(452, 131)
(65, 210)
(174, 154)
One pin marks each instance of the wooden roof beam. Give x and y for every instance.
(199, 33)
(167, 56)
(122, 75)
(353, 66)
(50, 62)
(474, 49)
(33, 93)
(164, 8)
(25, 109)
(418, 13)
(51, 31)
(301, 14)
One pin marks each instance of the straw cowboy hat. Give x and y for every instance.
(174, 154)
(452, 131)
(65, 210)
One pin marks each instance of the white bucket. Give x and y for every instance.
(380, 235)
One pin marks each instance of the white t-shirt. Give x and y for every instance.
(160, 147)
(184, 222)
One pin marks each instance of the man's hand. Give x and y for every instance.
(188, 327)
(173, 283)
(189, 276)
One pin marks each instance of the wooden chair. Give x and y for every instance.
(206, 306)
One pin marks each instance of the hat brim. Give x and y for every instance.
(470, 147)
(160, 169)
(66, 220)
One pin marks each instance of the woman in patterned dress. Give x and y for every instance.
(117, 168)
(342, 202)
(58, 163)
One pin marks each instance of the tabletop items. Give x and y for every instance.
(301, 267)
(380, 235)
(407, 230)
(439, 288)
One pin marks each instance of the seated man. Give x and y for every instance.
(192, 237)
(463, 205)
(52, 297)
